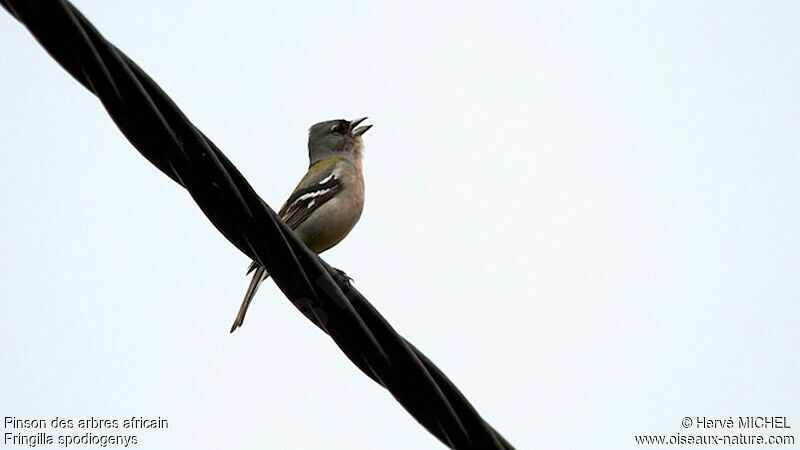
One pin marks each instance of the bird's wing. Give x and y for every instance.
(314, 190)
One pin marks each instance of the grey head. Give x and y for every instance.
(336, 138)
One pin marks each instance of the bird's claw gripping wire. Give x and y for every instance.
(342, 274)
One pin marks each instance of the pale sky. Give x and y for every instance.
(584, 212)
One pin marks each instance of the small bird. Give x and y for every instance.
(328, 201)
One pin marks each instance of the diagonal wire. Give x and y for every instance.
(161, 133)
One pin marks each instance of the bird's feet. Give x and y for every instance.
(342, 274)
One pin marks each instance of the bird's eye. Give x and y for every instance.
(338, 128)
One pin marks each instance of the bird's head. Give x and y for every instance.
(336, 138)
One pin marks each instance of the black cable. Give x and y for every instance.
(158, 129)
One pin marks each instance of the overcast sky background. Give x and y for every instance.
(585, 213)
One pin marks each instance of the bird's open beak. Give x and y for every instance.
(356, 130)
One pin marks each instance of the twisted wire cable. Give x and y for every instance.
(161, 133)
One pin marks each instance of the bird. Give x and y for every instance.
(328, 200)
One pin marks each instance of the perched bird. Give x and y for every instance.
(327, 202)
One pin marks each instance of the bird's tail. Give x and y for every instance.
(260, 275)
